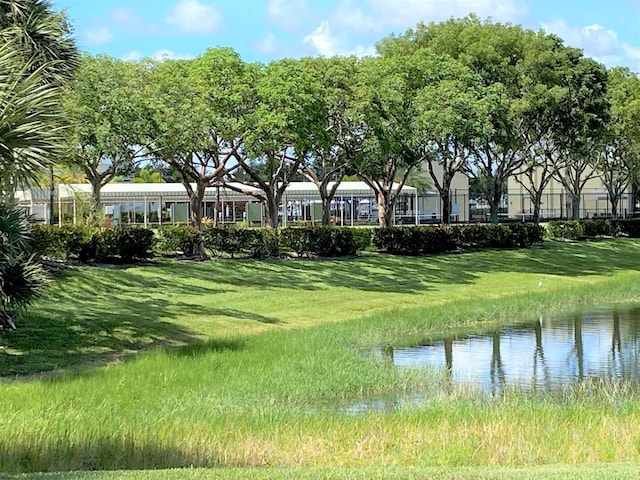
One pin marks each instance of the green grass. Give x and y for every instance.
(247, 364)
(601, 472)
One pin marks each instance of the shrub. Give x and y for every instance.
(575, 230)
(362, 237)
(21, 277)
(414, 240)
(178, 238)
(48, 241)
(325, 241)
(631, 228)
(444, 238)
(249, 242)
(128, 243)
(571, 230)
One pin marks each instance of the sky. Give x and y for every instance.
(263, 30)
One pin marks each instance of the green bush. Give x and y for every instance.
(570, 230)
(576, 230)
(322, 241)
(439, 239)
(90, 244)
(247, 242)
(128, 244)
(362, 237)
(48, 241)
(414, 240)
(178, 238)
(630, 228)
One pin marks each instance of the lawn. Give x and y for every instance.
(236, 364)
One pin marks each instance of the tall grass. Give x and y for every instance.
(253, 364)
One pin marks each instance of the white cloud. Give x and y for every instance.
(596, 41)
(326, 44)
(98, 36)
(170, 55)
(191, 16)
(402, 14)
(267, 45)
(322, 40)
(133, 55)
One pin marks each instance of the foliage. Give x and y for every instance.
(21, 277)
(420, 240)
(90, 244)
(179, 238)
(580, 229)
(321, 241)
(247, 242)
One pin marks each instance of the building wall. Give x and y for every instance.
(556, 203)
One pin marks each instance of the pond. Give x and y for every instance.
(545, 355)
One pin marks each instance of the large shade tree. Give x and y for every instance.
(618, 159)
(287, 122)
(106, 108)
(334, 153)
(199, 121)
(587, 111)
(392, 150)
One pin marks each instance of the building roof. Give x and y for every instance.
(176, 191)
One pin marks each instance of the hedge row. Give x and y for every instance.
(127, 244)
(577, 230)
(91, 244)
(444, 238)
(258, 242)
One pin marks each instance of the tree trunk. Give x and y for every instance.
(614, 199)
(575, 207)
(494, 204)
(385, 210)
(537, 202)
(52, 196)
(271, 211)
(445, 200)
(326, 210)
(195, 202)
(96, 187)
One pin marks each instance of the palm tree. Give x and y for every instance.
(21, 277)
(30, 123)
(41, 42)
(36, 59)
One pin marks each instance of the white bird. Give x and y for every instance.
(540, 283)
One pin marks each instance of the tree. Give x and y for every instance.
(587, 110)
(107, 111)
(42, 41)
(548, 124)
(494, 53)
(283, 128)
(619, 156)
(332, 155)
(37, 57)
(199, 113)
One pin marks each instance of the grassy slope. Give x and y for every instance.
(234, 398)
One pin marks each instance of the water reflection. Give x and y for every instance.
(541, 356)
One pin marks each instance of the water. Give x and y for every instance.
(601, 346)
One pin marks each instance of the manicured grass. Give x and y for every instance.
(255, 362)
(606, 471)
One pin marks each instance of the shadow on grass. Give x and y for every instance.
(116, 453)
(98, 315)
(388, 273)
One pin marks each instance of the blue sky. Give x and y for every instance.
(261, 30)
